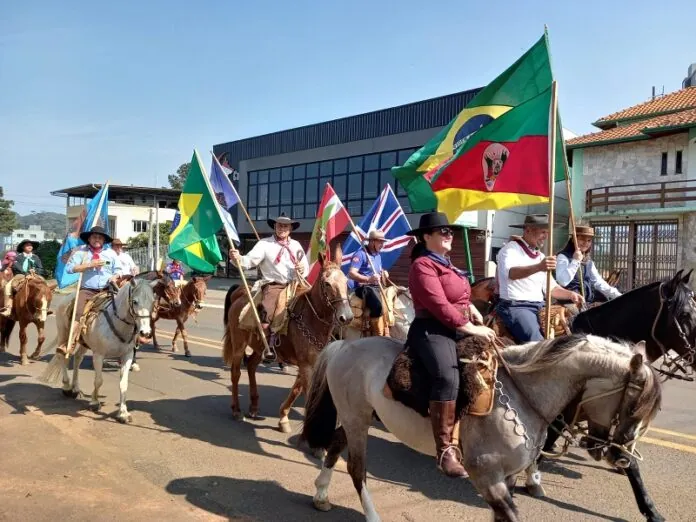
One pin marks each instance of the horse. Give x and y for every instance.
(111, 332)
(312, 318)
(536, 383)
(192, 296)
(484, 296)
(31, 304)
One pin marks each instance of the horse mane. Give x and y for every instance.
(539, 356)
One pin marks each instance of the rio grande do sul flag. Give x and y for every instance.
(332, 218)
(529, 76)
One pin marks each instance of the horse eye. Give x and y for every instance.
(135, 302)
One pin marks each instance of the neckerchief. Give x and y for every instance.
(442, 260)
(27, 262)
(284, 245)
(527, 250)
(95, 252)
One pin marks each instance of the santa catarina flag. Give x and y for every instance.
(332, 218)
(503, 165)
(529, 76)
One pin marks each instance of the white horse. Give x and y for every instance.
(112, 334)
(619, 391)
(404, 314)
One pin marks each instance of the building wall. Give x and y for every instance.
(121, 218)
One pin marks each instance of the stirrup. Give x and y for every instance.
(451, 447)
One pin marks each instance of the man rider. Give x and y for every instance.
(364, 276)
(280, 260)
(25, 263)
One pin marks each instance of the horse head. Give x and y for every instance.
(167, 289)
(138, 297)
(332, 284)
(195, 290)
(39, 294)
(680, 324)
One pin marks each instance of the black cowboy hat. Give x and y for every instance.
(283, 220)
(84, 236)
(535, 221)
(20, 247)
(431, 221)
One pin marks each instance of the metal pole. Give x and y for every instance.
(150, 259)
(469, 262)
(552, 194)
(157, 235)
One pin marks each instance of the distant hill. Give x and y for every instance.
(52, 222)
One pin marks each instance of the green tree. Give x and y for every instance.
(176, 181)
(140, 240)
(8, 219)
(48, 253)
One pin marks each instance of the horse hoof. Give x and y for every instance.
(237, 415)
(284, 427)
(174, 350)
(124, 419)
(135, 367)
(536, 490)
(68, 393)
(317, 453)
(25, 360)
(35, 356)
(95, 406)
(322, 505)
(187, 354)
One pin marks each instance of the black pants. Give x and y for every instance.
(435, 346)
(371, 296)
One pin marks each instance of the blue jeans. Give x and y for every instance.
(521, 319)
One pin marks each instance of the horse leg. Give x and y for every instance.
(498, 497)
(252, 364)
(23, 343)
(98, 363)
(40, 326)
(235, 374)
(533, 481)
(176, 336)
(126, 361)
(356, 437)
(184, 336)
(645, 503)
(338, 444)
(284, 422)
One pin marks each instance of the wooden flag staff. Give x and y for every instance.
(552, 175)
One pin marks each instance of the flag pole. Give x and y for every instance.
(552, 174)
(241, 204)
(469, 261)
(249, 297)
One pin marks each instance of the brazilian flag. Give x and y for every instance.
(193, 240)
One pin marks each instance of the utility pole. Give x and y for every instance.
(150, 260)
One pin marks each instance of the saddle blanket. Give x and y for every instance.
(358, 307)
(286, 299)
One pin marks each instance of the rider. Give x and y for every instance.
(444, 313)
(176, 271)
(571, 258)
(25, 263)
(128, 266)
(99, 267)
(522, 272)
(280, 260)
(364, 276)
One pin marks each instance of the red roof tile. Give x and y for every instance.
(672, 102)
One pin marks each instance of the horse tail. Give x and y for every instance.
(6, 327)
(54, 372)
(228, 302)
(320, 411)
(227, 345)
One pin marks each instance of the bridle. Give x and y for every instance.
(131, 313)
(683, 362)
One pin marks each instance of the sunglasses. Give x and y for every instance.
(444, 231)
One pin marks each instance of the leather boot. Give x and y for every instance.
(7, 309)
(269, 354)
(448, 456)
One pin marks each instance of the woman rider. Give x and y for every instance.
(571, 258)
(444, 313)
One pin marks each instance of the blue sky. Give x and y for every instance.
(91, 91)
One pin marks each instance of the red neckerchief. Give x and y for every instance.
(531, 253)
(284, 245)
(95, 252)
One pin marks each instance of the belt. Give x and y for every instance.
(513, 302)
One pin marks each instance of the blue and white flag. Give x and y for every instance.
(95, 213)
(226, 196)
(387, 216)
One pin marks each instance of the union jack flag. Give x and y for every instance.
(387, 216)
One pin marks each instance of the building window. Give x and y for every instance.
(20, 235)
(139, 226)
(678, 163)
(32, 236)
(663, 165)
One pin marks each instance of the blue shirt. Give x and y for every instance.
(359, 261)
(95, 278)
(175, 272)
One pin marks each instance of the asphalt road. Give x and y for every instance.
(184, 458)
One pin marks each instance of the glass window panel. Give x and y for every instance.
(253, 177)
(251, 200)
(385, 176)
(286, 192)
(372, 162)
(262, 213)
(326, 168)
(311, 193)
(298, 172)
(339, 186)
(355, 186)
(312, 170)
(355, 164)
(354, 209)
(263, 176)
(286, 209)
(252, 213)
(367, 205)
(274, 175)
(340, 166)
(298, 211)
(388, 160)
(405, 204)
(273, 212)
(298, 193)
(322, 184)
(263, 195)
(371, 185)
(286, 174)
(404, 155)
(310, 211)
(274, 194)
(400, 190)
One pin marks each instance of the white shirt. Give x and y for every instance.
(127, 263)
(567, 268)
(527, 289)
(264, 254)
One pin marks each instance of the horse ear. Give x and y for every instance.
(687, 277)
(133, 281)
(153, 283)
(639, 348)
(206, 278)
(636, 362)
(52, 285)
(338, 253)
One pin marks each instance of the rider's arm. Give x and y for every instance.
(38, 266)
(356, 263)
(566, 269)
(254, 257)
(77, 263)
(599, 284)
(508, 260)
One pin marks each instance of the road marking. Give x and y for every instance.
(668, 444)
(218, 341)
(210, 305)
(673, 433)
(171, 336)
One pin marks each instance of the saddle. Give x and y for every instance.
(409, 383)
(561, 318)
(361, 317)
(93, 308)
(286, 301)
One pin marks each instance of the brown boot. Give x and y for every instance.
(448, 456)
(6, 311)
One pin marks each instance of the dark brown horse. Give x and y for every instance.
(192, 295)
(312, 319)
(31, 304)
(483, 295)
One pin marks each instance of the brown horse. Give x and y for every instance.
(483, 295)
(312, 318)
(192, 295)
(31, 304)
